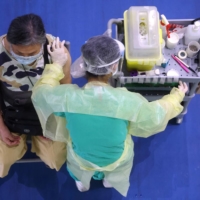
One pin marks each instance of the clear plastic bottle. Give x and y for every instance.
(192, 33)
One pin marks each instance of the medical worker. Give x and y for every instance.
(97, 121)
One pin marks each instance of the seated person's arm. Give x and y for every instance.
(6, 136)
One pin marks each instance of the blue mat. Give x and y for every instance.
(166, 166)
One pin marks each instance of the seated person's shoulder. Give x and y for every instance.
(50, 37)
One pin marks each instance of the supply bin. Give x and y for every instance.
(143, 38)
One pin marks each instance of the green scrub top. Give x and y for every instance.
(97, 139)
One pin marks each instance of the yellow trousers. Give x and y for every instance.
(52, 153)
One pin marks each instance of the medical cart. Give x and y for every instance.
(154, 87)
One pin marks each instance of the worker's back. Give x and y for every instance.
(97, 139)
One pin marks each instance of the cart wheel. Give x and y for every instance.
(179, 120)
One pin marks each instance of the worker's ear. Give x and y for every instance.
(115, 66)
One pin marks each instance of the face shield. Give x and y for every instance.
(121, 60)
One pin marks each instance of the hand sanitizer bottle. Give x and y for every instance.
(192, 33)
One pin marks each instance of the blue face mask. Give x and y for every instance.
(26, 60)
